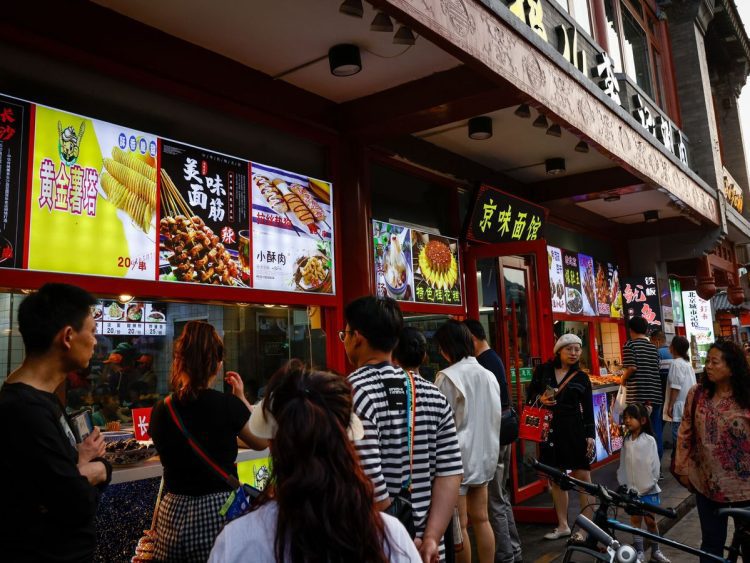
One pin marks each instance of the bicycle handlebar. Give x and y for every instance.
(742, 514)
(594, 531)
(600, 491)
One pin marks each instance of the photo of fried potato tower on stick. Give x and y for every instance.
(130, 185)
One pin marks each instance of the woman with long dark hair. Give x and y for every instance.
(713, 443)
(188, 519)
(562, 387)
(319, 503)
(474, 394)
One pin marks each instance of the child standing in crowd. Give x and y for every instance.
(639, 470)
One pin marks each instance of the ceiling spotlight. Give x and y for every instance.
(555, 166)
(554, 130)
(344, 60)
(541, 122)
(523, 111)
(611, 197)
(583, 146)
(480, 128)
(381, 22)
(404, 36)
(651, 216)
(352, 8)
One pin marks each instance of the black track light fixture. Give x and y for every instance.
(381, 22)
(480, 128)
(344, 60)
(554, 130)
(352, 8)
(583, 146)
(523, 111)
(541, 122)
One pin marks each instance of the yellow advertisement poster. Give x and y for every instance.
(93, 199)
(255, 472)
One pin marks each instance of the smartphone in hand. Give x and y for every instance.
(82, 424)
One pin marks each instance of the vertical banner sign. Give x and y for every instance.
(500, 217)
(556, 279)
(204, 230)
(292, 217)
(435, 263)
(572, 276)
(603, 299)
(642, 300)
(588, 285)
(615, 296)
(14, 136)
(675, 289)
(93, 199)
(394, 270)
(699, 326)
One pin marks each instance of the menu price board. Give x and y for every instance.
(572, 276)
(699, 326)
(130, 319)
(93, 198)
(588, 285)
(556, 279)
(603, 299)
(204, 229)
(14, 133)
(642, 299)
(394, 269)
(292, 231)
(615, 296)
(416, 266)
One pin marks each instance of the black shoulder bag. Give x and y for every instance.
(401, 505)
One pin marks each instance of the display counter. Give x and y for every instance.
(126, 507)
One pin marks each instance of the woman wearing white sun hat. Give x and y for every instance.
(562, 387)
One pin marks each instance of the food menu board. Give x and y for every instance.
(603, 299)
(615, 296)
(436, 274)
(699, 326)
(131, 319)
(572, 276)
(394, 272)
(580, 285)
(14, 133)
(556, 279)
(641, 299)
(608, 432)
(98, 205)
(588, 285)
(416, 266)
(204, 228)
(292, 231)
(93, 197)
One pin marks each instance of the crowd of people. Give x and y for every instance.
(381, 465)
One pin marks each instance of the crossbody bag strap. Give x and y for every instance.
(411, 418)
(229, 479)
(565, 381)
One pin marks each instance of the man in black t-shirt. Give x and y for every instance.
(507, 540)
(48, 481)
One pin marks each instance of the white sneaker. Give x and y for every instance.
(556, 534)
(658, 557)
(640, 557)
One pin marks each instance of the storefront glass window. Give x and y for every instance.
(613, 35)
(133, 370)
(579, 9)
(609, 348)
(429, 324)
(636, 53)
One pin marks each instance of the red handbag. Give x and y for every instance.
(536, 420)
(535, 423)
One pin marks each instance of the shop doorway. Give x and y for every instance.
(508, 291)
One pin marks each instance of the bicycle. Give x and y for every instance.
(609, 499)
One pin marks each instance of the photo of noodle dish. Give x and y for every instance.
(393, 261)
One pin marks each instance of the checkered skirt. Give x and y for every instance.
(187, 526)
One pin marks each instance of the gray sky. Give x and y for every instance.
(743, 6)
